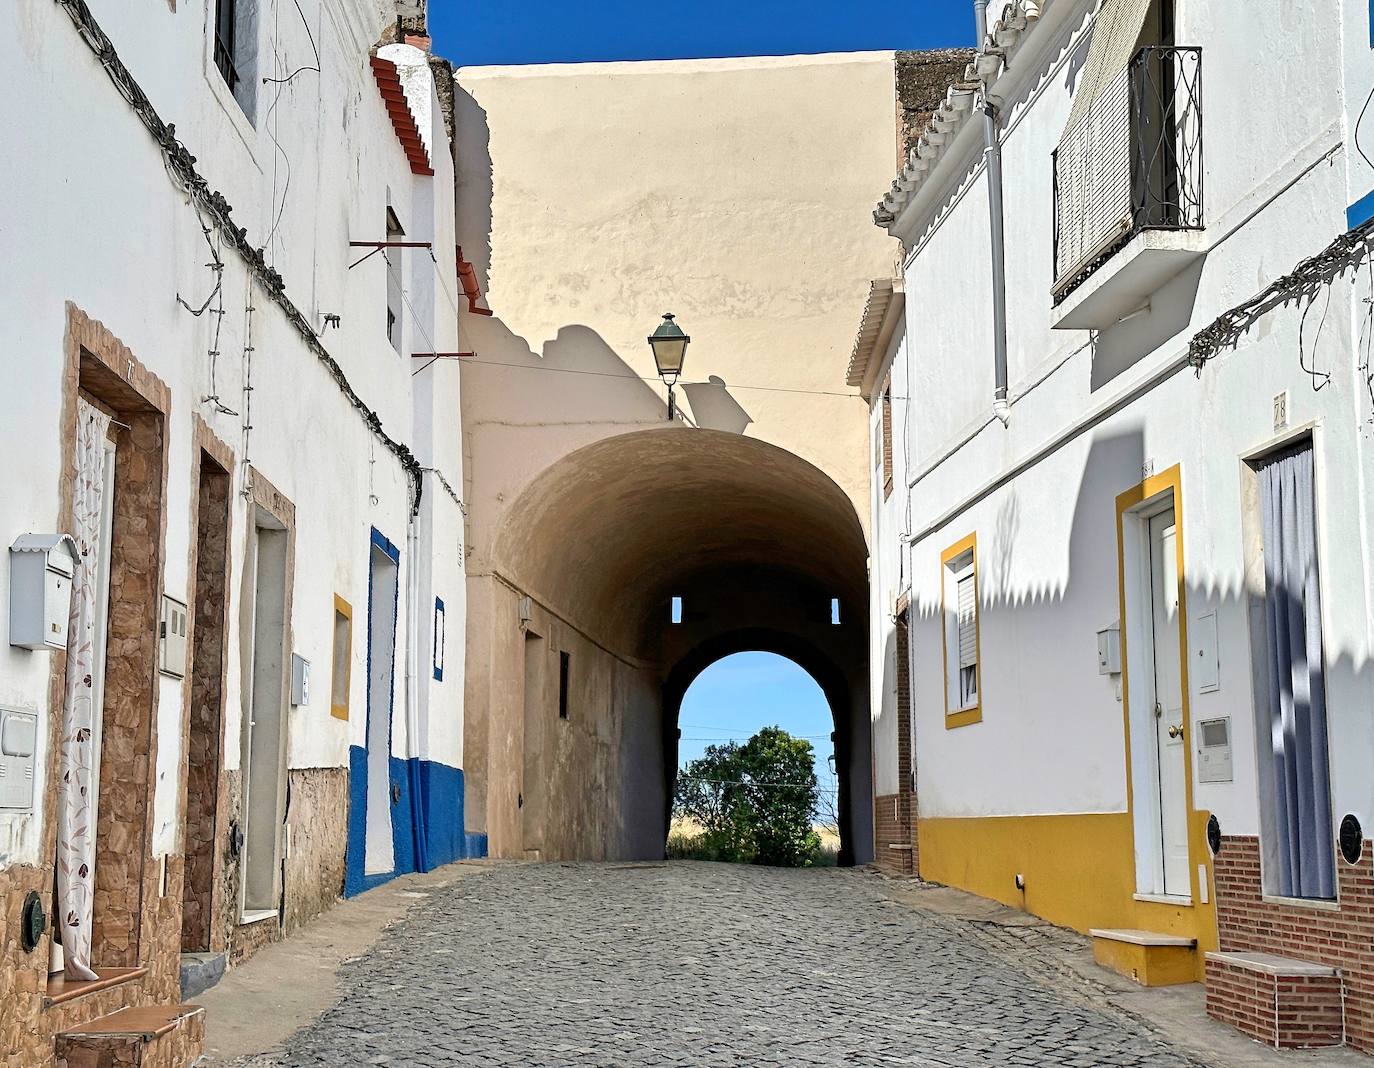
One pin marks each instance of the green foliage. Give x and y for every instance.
(755, 802)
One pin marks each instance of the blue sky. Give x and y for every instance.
(736, 696)
(473, 32)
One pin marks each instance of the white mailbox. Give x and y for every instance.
(1109, 650)
(300, 680)
(18, 744)
(41, 571)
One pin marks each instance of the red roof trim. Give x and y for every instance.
(402, 121)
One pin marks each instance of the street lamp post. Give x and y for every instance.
(670, 352)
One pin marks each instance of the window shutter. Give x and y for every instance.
(1115, 34)
(968, 621)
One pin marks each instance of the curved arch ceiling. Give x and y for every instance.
(621, 524)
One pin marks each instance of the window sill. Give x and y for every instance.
(1124, 284)
(60, 989)
(964, 717)
(250, 917)
(1322, 904)
(1166, 899)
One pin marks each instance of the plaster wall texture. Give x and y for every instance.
(126, 243)
(887, 575)
(1051, 739)
(593, 198)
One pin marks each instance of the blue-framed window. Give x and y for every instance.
(439, 639)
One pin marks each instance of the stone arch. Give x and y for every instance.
(571, 645)
(824, 671)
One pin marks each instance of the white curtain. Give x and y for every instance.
(1297, 686)
(76, 817)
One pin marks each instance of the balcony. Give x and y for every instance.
(1128, 191)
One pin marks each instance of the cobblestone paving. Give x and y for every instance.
(702, 965)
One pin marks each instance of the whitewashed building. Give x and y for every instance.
(231, 687)
(1135, 562)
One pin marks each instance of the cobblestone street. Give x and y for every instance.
(698, 964)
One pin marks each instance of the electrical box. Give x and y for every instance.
(18, 745)
(300, 680)
(1214, 750)
(41, 571)
(1109, 650)
(172, 638)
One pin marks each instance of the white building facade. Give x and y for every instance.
(245, 421)
(1135, 561)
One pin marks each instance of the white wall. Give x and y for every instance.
(1051, 738)
(102, 226)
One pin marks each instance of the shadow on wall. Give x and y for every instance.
(577, 383)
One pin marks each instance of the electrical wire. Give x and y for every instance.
(650, 378)
(313, 48)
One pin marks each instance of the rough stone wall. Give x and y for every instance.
(317, 808)
(412, 15)
(203, 750)
(923, 78)
(317, 815)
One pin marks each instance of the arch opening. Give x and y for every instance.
(637, 561)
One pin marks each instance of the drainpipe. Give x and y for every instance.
(418, 815)
(992, 157)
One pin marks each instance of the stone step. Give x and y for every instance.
(149, 1036)
(199, 972)
(1150, 958)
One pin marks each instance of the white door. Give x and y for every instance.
(56, 961)
(1171, 774)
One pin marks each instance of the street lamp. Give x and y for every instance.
(670, 352)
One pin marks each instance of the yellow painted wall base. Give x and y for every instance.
(1148, 965)
(1079, 872)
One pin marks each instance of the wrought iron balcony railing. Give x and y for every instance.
(1133, 162)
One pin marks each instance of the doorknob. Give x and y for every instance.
(1176, 731)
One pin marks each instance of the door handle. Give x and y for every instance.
(1176, 731)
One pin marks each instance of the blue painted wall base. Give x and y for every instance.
(424, 836)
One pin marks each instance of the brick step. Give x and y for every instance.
(1283, 1002)
(1147, 957)
(150, 1036)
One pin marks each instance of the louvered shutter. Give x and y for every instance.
(968, 621)
(1093, 164)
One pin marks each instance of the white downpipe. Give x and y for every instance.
(992, 157)
(412, 640)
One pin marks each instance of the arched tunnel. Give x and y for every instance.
(580, 741)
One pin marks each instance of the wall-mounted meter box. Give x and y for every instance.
(300, 680)
(1109, 650)
(41, 570)
(171, 638)
(1214, 750)
(18, 745)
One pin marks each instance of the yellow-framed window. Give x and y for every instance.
(341, 675)
(959, 613)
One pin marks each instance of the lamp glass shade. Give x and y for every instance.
(670, 347)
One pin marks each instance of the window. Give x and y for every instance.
(235, 52)
(438, 639)
(675, 611)
(343, 657)
(834, 611)
(564, 663)
(394, 293)
(887, 438)
(959, 602)
(1291, 682)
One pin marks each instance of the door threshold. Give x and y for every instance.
(1166, 899)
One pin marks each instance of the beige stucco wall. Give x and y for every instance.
(736, 193)
(592, 198)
